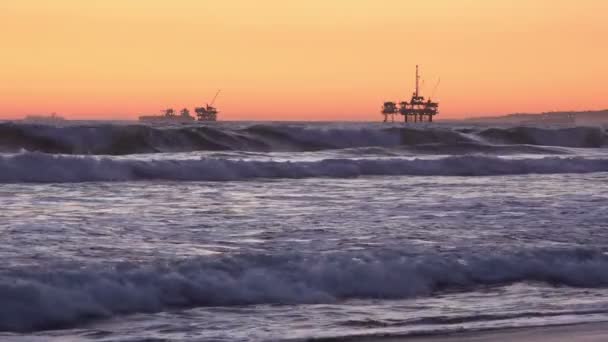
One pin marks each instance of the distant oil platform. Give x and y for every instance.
(417, 110)
(53, 118)
(206, 113)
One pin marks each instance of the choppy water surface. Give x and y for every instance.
(373, 237)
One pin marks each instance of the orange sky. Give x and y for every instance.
(300, 59)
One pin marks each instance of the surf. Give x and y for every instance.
(58, 297)
(114, 139)
(25, 167)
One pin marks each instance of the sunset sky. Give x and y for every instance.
(300, 60)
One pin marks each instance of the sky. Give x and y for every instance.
(300, 60)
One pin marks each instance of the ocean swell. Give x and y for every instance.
(108, 139)
(38, 167)
(35, 299)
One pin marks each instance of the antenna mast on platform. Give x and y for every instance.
(215, 97)
(417, 81)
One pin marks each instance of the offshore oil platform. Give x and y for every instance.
(206, 113)
(417, 110)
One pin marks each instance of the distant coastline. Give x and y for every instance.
(572, 117)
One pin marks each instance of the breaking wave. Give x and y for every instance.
(115, 139)
(36, 299)
(38, 167)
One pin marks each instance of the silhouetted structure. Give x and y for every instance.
(207, 113)
(168, 116)
(389, 108)
(185, 113)
(45, 119)
(417, 110)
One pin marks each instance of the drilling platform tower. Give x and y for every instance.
(417, 110)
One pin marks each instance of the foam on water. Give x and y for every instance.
(37, 167)
(52, 298)
(328, 256)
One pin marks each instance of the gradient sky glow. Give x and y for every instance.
(300, 59)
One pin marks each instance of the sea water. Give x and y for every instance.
(254, 232)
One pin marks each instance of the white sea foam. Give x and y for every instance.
(50, 298)
(38, 167)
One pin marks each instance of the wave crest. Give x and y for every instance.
(44, 299)
(130, 139)
(26, 167)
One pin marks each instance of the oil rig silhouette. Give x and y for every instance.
(206, 113)
(417, 110)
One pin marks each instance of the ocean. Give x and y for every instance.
(298, 231)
